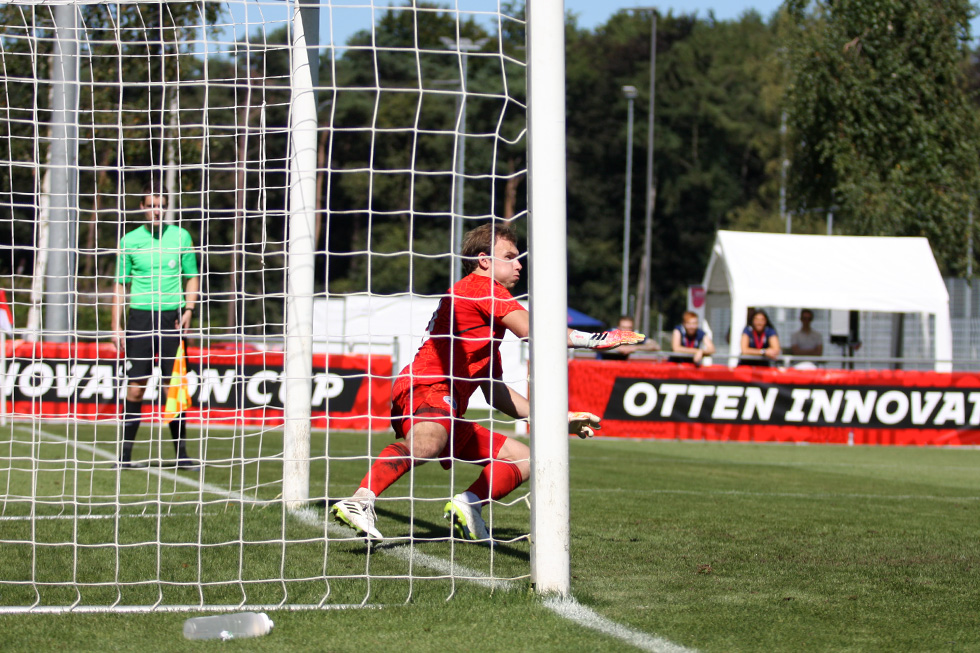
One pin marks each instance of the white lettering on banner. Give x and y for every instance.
(282, 387)
(326, 386)
(920, 411)
(10, 378)
(857, 403)
(886, 416)
(669, 392)
(66, 385)
(756, 404)
(795, 413)
(974, 398)
(254, 390)
(953, 410)
(656, 400)
(218, 386)
(153, 385)
(640, 389)
(726, 402)
(35, 380)
(826, 404)
(697, 394)
(101, 382)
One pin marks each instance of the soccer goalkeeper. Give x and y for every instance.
(430, 396)
(157, 260)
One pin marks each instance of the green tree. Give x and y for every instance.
(883, 124)
(716, 139)
(392, 143)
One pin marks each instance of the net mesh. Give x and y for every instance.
(421, 136)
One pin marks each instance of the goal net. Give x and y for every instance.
(322, 162)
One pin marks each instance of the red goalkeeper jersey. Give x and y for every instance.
(465, 334)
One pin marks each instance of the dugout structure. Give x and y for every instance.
(307, 160)
(862, 273)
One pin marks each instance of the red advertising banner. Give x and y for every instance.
(681, 401)
(81, 381)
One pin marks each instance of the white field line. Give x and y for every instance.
(567, 608)
(98, 517)
(409, 554)
(181, 480)
(574, 611)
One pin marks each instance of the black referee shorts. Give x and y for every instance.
(151, 335)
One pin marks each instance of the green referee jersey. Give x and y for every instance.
(156, 266)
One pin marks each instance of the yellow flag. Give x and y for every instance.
(178, 395)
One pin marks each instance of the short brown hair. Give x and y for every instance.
(154, 188)
(689, 314)
(481, 241)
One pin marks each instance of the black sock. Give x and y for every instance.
(132, 417)
(178, 431)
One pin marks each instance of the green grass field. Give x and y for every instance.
(712, 546)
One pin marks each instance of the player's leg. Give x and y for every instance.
(139, 364)
(131, 418)
(506, 465)
(422, 437)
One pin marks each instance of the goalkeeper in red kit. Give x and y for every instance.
(430, 396)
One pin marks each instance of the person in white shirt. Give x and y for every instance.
(806, 341)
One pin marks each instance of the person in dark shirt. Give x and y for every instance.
(759, 341)
(689, 338)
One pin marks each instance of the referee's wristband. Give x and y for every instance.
(190, 308)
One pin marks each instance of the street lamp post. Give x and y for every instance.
(651, 190)
(630, 93)
(462, 45)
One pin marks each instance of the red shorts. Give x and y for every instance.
(468, 441)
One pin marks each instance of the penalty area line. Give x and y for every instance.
(572, 610)
(565, 608)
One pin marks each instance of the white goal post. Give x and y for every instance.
(317, 155)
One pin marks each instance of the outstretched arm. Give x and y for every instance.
(519, 323)
(505, 399)
(603, 339)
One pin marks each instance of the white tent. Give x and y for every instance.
(894, 275)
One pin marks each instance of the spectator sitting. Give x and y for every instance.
(759, 338)
(806, 341)
(689, 338)
(623, 352)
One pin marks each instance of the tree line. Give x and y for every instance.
(871, 102)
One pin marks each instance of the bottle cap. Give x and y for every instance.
(266, 621)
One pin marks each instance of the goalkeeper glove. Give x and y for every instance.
(584, 425)
(604, 339)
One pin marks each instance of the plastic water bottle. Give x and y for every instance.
(228, 626)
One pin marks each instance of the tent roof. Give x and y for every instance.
(578, 319)
(897, 275)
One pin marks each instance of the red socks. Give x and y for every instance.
(497, 480)
(392, 463)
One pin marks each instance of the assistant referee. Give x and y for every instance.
(157, 261)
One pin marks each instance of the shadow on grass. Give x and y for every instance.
(424, 531)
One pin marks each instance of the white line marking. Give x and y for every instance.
(409, 554)
(574, 611)
(182, 480)
(567, 608)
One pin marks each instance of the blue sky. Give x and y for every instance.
(348, 16)
(595, 12)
